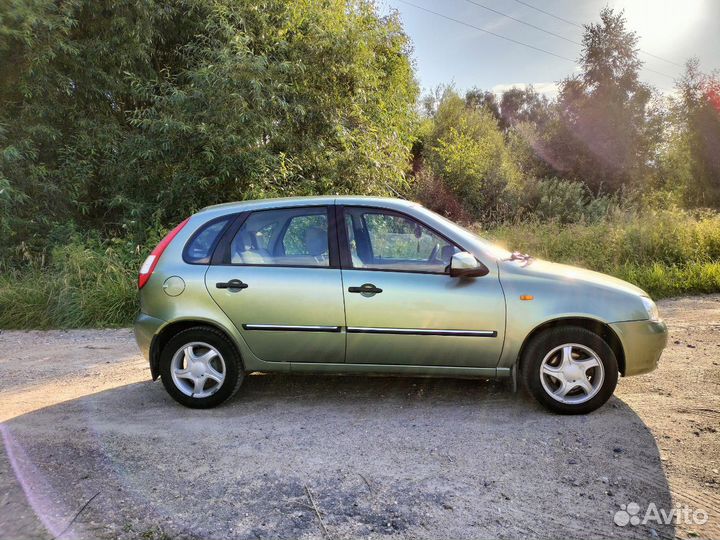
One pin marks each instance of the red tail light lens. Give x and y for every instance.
(150, 263)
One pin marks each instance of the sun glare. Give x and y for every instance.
(661, 24)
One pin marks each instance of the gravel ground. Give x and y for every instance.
(93, 449)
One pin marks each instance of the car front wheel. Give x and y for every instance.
(200, 368)
(570, 370)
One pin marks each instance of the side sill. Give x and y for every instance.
(395, 369)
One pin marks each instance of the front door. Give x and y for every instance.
(402, 306)
(279, 288)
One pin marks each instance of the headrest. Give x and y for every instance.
(316, 241)
(247, 240)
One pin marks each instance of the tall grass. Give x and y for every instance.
(664, 252)
(667, 253)
(83, 287)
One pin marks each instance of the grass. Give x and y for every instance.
(666, 253)
(83, 287)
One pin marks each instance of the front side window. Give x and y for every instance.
(286, 237)
(387, 241)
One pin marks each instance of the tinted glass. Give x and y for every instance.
(387, 241)
(200, 248)
(287, 237)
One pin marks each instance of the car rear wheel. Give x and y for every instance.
(570, 370)
(200, 367)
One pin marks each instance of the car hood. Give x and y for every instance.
(571, 274)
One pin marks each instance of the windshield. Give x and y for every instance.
(484, 245)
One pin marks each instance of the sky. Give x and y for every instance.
(448, 52)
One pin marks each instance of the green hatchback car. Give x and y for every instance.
(373, 285)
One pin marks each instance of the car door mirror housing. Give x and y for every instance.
(465, 264)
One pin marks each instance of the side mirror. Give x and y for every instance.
(464, 264)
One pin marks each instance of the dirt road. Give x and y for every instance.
(93, 449)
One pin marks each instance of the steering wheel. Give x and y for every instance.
(434, 253)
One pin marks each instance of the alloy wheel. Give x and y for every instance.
(572, 373)
(198, 369)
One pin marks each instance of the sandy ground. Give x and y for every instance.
(93, 449)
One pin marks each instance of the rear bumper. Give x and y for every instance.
(145, 329)
(643, 343)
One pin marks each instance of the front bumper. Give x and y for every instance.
(643, 343)
(145, 329)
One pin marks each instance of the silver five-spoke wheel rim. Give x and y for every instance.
(198, 369)
(572, 373)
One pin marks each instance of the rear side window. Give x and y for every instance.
(200, 247)
(283, 237)
(295, 239)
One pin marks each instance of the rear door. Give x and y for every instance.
(279, 282)
(401, 304)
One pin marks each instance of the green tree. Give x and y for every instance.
(115, 115)
(603, 134)
(308, 98)
(692, 161)
(63, 100)
(525, 116)
(476, 98)
(466, 150)
(527, 144)
(524, 105)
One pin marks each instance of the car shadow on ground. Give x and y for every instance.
(312, 456)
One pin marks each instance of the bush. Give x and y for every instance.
(434, 194)
(84, 286)
(116, 113)
(558, 200)
(664, 252)
(466, 150)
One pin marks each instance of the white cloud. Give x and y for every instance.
(549, 89)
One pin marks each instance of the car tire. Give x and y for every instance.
(200, 367)
(569, 370)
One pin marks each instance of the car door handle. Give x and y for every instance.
(232, 284)
(367, 288)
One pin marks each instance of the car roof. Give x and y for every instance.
(286, 202)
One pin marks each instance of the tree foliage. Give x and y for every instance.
(694, 152)
(524, 105)
(119, 118)
(602, 132)
(118, 115)
(608, 136)
(467, 149)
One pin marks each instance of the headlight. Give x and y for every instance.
(651, 308)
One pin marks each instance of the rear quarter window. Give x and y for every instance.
(200, 247)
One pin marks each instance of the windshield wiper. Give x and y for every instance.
(517, 256)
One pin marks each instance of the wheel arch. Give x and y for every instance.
(167, 332)
(598, 327)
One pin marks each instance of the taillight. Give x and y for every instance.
(150, 263)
